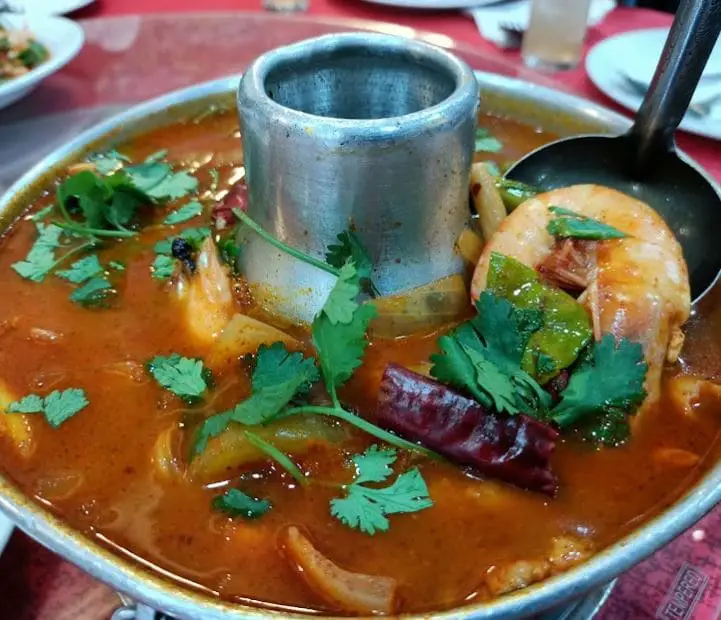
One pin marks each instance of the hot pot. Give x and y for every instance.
(558, 112)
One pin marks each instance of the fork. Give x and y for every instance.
(700, 109)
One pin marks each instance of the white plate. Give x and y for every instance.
(6, 528)
(62, 37)
(48, 7)
(436, 4)
(610, 60)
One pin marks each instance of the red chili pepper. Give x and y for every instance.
(236, 198)
(515, 449)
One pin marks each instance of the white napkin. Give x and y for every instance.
(518, 12)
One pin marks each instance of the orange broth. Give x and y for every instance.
(97, 472)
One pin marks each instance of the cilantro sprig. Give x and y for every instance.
(483, 356)
(367, 508)
(109, 200)
(567, 223)
(183, 376)
(42, 259)
(280, 377)
(57, 407)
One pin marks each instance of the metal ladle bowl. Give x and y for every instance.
(366, 131)
(644, 162)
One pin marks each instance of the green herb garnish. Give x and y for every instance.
(368, 508)
(183, 376)
(41, 259)
(278, 377)
(163, 267)
(34, 54)
(95, 292)
(184, 213)
(608, 380)
(235, 503)
(567, 223)
(108, 162)
(57, 407)
(486, 143)
(158, 181)
(350, 248)
(483, 356)
(82, 270)
(230, 251)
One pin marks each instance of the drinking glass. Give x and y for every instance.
(555, 34)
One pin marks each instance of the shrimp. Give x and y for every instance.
(635, 288)
(207, 295)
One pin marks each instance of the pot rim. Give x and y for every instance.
(444, 113)
(153, 586)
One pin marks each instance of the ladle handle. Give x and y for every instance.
(687, 50)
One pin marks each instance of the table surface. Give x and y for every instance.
(130, 58)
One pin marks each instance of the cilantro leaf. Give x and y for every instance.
(341, 346)
(117, 265)
(82, 270)
(183, 376)
(567, 223)
(211, 427)
(452, 366)
(610, 428)
(374, 465)
(41, 258)
(184, 213)
(107, 204)
(279, 376)
(235, 503)
(341, 302)
(108, 162)
(611, 377)
(486, 143)
(61, 406)
(27, 404)
(230, 251)
(162, 267)
(483, 356)
(158, 181)
(94, 292)
(350, 248)
(57, 407)
(367, 509)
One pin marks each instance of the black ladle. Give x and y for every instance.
(644, 162)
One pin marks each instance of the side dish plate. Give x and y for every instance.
(62, 37)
